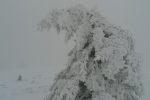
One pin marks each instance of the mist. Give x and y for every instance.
(22, 45)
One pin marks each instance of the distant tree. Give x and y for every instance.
(103, 64)
(19, 78)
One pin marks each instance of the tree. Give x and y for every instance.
(103, 64)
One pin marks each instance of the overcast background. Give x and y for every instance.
(21, 45)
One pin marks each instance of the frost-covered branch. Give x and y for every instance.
(103, 65)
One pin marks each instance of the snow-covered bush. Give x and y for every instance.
(19, 78)
(103, 64)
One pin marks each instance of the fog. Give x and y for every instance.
(22, 45)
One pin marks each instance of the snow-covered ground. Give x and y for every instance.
(35, 83)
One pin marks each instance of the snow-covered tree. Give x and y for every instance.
(103, 64)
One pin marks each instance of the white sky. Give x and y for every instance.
(22, 45)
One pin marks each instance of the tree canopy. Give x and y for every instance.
(103, 64)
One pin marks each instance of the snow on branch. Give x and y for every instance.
(103, 65)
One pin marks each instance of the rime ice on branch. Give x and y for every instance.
(103, 64)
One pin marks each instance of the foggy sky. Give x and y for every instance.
(22, 45)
